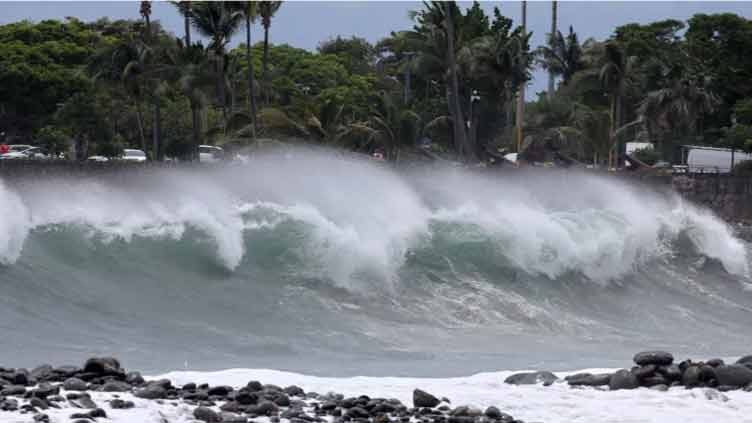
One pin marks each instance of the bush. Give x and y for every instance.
(648, 156)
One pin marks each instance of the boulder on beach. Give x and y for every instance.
(587, 379)
(659, 358)
(103, 366)
(205, 414)
(745, 361)
(75, 384)
(736, 375)
(532, 378)
(424, 399)
(623, 379)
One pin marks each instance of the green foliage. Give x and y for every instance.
(356, 54)
(648, 156)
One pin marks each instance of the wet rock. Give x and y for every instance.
(656, 379)
(44, 390)
(11, 390)
(623, 379)
(745, 361)
(671, 373)
(531, 378)
(134, 378)
(151, 392)
(587, 379)
(220, 391)
(294, 391)
(691, 377)
(254, 386)
(74, 384)
(67, 371)
(644, 371)
(733, 375)
(357, 412)
(103, 366)
(424, 399)
(230, 406)
(119, 404)
(97, 413)
(265, 408)
(115, 386)
(82, 401)
(466, 411)
(20, 377)
(9, 404)
(328, 405)
(43, 373)
(708, 376)
(715, 362)
(205, 414)
(42, 418)
(39, 403)
(282, 400)
(244, 397)
(231, 418)
(189, 387)
(659, 358)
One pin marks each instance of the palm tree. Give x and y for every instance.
(217, 21)
(460, 137)
(250, 12)
(392, 125)
(184, 8)
(552, 35)
(562, 57)
(614, 76)
(521, 89)
(267, 10)
(145, 11)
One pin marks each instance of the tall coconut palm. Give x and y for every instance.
(217, 21)
(250, 10)
(552, 35)
(521, 89)
(145, 11)
(562, 57)
(185, 8)
(466, 151)
(614, 76)
(267, 10)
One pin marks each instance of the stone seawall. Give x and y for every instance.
(728, 196)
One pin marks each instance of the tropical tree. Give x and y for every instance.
(614, 76)
(184, 8)
(267, 10)
(217, 21)
(554, 32)
(562, 57)
(250, 10)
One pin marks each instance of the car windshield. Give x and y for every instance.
(134, 153)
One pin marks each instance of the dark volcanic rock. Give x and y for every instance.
(531, 378)
(151, 392)
(115, 386)
(13, 390)
(82, 401)
(644, 371)
(733, 375)
(74, 384)
(103, 366)
(659, 358)
(254, 386)
(587, 379)
(220, 391)
(623, 379)
(119, 404)
(265, 408)
(672, 373)
(9, 405)
(746, 361)
(39, 403)
(357, 412)
(707, 376)
(691, 377)
(232, 418)
(424, 399)
(244, 397)
(206, 415)
(656, 379)
(43, 373)
(294, 391)
(715, 362)
(20, 377)
(45, 389)
(97, 413)
(134, 378)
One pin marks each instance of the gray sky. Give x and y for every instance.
(305, 23)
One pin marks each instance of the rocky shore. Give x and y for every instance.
(655, 370)
(102, 390)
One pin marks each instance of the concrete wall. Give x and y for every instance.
(728, 196)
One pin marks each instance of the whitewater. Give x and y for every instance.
(348, 275)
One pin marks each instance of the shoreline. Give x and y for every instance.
(102, 388)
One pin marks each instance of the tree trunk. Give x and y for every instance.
(249, 59)
(140, 122)
(196, 132)
(551, 76)
(157, 135)
(187, 23)
(221, 92)
(265, 75)
(460, 138)
(521, 90)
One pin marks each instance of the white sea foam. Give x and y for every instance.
(14, 225)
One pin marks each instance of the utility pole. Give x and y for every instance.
(551, 42)
(521, 89)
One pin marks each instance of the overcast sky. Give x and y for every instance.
(305, 23)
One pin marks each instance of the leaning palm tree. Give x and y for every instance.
(217, 21)
(267, 10)
(614, 76)
(184, 8)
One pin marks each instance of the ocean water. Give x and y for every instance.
(312, 263)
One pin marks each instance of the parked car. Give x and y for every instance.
(131, 155)
(25, 152)
(210, 153)
(98, 159)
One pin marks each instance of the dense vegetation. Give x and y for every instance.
(451, 79)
